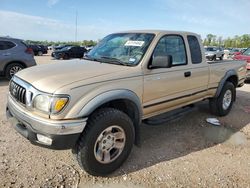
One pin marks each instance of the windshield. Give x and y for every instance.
(247, 52)
(123, 48)
(210, 49)
(67, 47)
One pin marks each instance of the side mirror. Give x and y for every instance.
(161, 62)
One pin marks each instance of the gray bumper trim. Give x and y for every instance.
(43, 125)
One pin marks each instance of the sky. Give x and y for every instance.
(55, 20)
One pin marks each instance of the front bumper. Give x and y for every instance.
(63, 133)
(209, 56)
(248, 75)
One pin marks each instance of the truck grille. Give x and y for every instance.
(18, 92)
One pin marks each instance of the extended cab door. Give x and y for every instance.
(168, 88)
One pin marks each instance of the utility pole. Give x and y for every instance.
(76, 28)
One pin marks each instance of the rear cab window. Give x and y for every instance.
(195, 49)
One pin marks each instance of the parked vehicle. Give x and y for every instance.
(39, 49)
(14, 56)
(69, 52)
(245, 56)
(212, 53)
(60, 47)
(96, 106)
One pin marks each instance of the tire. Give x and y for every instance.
(214, 58)
(39, 53)
(65, 56)
(12, 68)
(222, 105)
(221, 58)
(102, 124)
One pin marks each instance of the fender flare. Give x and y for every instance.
(109, 96)
(224, 79)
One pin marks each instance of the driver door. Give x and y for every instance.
(165, 87)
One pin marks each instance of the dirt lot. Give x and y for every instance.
(187, 152)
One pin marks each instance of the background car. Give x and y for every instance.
(69, 52)
(245, 56)
(39, 49)
(60, 47)
(212, 53)
(14, 56)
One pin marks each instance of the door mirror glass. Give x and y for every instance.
(164, 61)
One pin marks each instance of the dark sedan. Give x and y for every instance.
(69, 52)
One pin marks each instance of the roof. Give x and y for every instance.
(159, 32)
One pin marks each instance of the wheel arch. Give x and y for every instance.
(230, 76)
(11, 62)
(124, 100)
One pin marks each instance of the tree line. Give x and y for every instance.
(237, 41)
(53, 43)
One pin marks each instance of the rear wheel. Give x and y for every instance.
(222, 105)
(106, 142)
(12, 69)
(221, 58)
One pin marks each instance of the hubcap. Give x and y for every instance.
(14, 70)
(227, 99)
(109, 144)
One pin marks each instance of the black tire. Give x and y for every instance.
(65, 56)
(12, 68)
(97, 123)
(214, 58)
(216, 104)
(221, 58)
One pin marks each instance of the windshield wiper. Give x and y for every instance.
(90, 58)
(114, 60)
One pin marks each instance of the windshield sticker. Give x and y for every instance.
(134, 43)
(132, 59)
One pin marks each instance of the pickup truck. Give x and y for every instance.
(95, 106)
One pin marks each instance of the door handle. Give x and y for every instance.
(187, 74)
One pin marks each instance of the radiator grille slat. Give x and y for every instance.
(18, 92)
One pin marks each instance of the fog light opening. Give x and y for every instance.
(44, 139)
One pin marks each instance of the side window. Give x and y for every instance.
(172, 45)
(195, 49)
(5, 45)
(2, 45)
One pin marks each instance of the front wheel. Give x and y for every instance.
(106, 142)
(39, 53)
(222, 105)
(221, 58)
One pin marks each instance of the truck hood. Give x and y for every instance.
(50, 77)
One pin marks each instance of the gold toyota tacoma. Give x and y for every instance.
(95, 106)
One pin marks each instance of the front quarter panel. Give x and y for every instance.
(85, 99)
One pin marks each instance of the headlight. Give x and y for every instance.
(42, 102)
(50, 104)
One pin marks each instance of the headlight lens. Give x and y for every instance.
(50, 104)
(42, 102)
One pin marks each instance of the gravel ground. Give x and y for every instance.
(186, 152)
